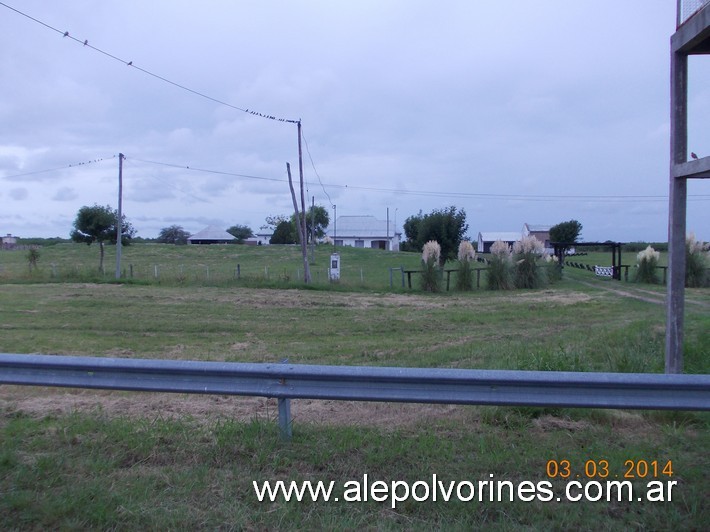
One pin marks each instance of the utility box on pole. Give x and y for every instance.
(334, 270)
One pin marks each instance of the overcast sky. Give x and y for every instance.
(514, 111)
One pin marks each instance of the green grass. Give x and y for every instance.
(137, 461)
(216, 265)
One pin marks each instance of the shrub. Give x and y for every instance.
(32, 258)
(500, 267)
(552, 268)
(527, 251)
(647, 260)
(466, 256)
(697, 260)
(431, 273)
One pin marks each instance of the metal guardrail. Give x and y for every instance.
(362, 383)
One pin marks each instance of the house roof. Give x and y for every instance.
(492, 236)
(212, 233)
(537, 228)
(361, 227)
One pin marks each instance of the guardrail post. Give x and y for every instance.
(285, 421)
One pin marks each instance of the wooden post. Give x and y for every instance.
(119, 221)
(675, 291)
(302, 220)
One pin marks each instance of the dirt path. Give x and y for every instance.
(639, 293)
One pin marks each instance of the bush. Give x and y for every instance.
(431, 273)
(466, 256)
(527, 251)
(552, 268)
(500, 267)
(647, 260)
(697, 261)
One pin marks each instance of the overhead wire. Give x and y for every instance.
(314, 168)
(74, 165)
(85, 43)
(490, 196)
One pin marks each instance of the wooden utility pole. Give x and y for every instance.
(313, 229)
(302, 218)
(301, 228)
(119, 215)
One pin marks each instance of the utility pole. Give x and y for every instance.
(313, 229)
(301, 232)
(119, 215)
(302, 219)
(389, 247)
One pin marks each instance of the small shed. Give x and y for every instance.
(211, 235)
(487, 238)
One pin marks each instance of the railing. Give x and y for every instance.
(362, 383)
(687, 8)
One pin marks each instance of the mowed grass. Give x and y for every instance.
(81, 459)
(236, 265)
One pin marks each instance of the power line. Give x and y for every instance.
(204, 170)
(457, 194)
(314, 168)
(85, 43)
(74, 165)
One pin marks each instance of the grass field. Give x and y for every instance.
(83, 459)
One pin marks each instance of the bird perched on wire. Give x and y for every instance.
(692, 154)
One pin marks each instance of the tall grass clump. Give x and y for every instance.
(466, 256)
(431, 273)
(697, 262)
(500, 267)
(646, 262)
(552, 268)
(526, 253)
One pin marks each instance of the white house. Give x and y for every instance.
(365, 232)
(262, 238)
(8, 241)
(487, 238)
(541, 232)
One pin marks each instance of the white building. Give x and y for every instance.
(487, 238)
(365, 232)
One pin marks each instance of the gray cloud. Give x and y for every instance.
(404, 105)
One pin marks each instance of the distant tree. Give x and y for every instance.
(240, 232)
(446, 226)
(98, 224)
(565, 233)
(273, 221)
(174, 234)
(411, 232)
(317, 216)
(285, 233)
